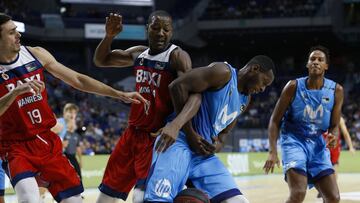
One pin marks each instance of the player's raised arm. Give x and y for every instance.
(104, 56)
(282, 104)
(81, 81)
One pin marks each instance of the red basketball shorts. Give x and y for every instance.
(128, 164)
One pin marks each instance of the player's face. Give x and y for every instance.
(70, 115)
(258, 81)
(10, 37)
(317, 64)
(159, 33)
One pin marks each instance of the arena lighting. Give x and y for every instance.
(20, 26)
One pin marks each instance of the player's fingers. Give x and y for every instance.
(141, 98)
(209, 147)
(35, 88)
(159, 143)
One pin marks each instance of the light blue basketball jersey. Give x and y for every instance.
(310, 112)
(172, 168)
(2, 179)
(307, 118)
(219, 108)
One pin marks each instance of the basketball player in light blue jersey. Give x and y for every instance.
(225, 94)
(307, 108)
(2, 183)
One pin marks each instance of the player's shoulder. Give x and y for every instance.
(221, 68)
(178, 53)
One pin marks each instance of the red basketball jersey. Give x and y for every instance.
(153, 76)
(29, 114)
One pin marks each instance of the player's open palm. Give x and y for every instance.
(168, 136)
(34, 86)
(113, 25)
(273, 159)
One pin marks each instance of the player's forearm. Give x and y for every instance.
(191, 107)
(334, 129)
(102, 51)
(90, 85)
(347, 139)
(273, 131)
(7, 100)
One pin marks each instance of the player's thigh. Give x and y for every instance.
(168, 173)
(328, 187)
(297, 181)
(210, 175)
(293, 154)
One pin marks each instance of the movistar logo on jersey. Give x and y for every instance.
(225, 118)
(311, 113)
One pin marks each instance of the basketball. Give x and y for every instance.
(191, 195)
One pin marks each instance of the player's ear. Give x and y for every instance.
(254, 67)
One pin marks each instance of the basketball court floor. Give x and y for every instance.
(261, 189)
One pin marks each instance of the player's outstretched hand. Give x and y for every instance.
(270, 163)
(133, 97)
(168, 136)
(352, 150)
(113, 25)
(34, 86)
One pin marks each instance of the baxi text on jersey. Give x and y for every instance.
(30, 99)
(12, 86)
(143, 76)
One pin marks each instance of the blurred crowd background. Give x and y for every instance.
(209, 30)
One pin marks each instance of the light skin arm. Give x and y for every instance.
(345, 133)
(331, 139)
(282, 104)
(81, 81)
(197, 80)
(35, 87)
(104, 56)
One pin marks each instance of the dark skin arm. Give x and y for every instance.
(282, 104)
(181, 62)
(331, 139)
(105, 57)
(214, 76)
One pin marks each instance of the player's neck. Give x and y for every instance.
(7, 57)
(315, 82)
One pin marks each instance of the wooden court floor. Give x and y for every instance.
(264, 189)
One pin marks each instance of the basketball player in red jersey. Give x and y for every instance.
(31, 152)
(155, 67)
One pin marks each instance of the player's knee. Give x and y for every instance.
(104, 198)
(138, 195)
(297, 195)
(332, 198)
(28, 197)
(236, 199)
(27, 191)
